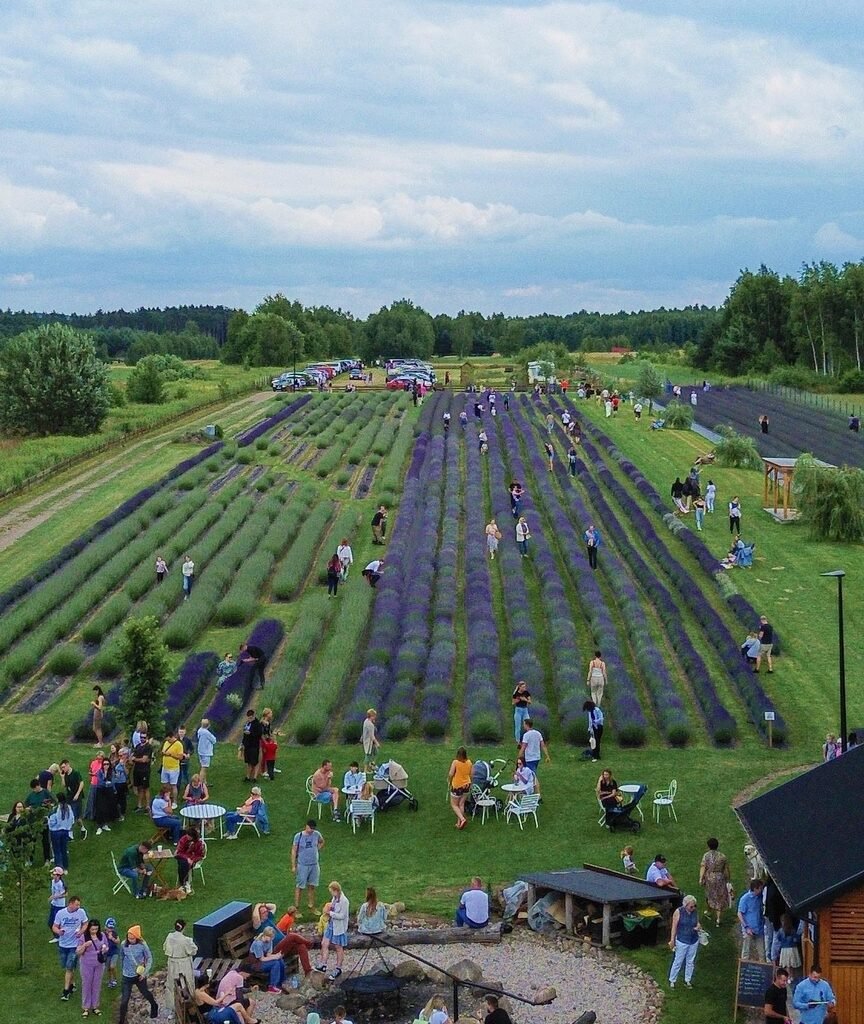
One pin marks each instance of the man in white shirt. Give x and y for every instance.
(206, 746)
(658, 874)
(473, 908)
(373, 571)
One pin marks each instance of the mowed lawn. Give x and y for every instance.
(438, 858)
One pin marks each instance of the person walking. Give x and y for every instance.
(136, 963)
(521, 704)
(179, 950)
(206, 744)
(699, 510)
(98, 704)
(710, 496)
(592, 543)
(516, 492)
(334, 574)
(482, 441)
(305, 861)
(597, 678)
(345, 556)
(463, 419)
(532, 746)
(523, 535)
(493, 535)
(379, 525)
(763, 424)
(715, 880)
(684, 941)
(369, 737)
(336, 931)
(735, 516)
(595, 728)
(572, 460)
(161, 569)
(69, 926)
(92, 953)
(766, 643)
(459, 785)
(188, 571)
(550, 454)
(250, 745)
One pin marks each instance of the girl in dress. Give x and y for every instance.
(714, 879)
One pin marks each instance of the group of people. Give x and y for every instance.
(687, 497)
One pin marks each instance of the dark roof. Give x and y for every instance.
(809, 830)
(600, 885)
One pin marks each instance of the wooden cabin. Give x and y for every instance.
(809, 832)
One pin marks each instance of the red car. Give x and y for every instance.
(400, 383)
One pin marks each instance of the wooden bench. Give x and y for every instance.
(186, 1010)
(235, 944)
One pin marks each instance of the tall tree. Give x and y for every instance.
(852, 285)
(52, 382)
(649, 383)
(401, 330)
(145, 674)
(817, 310)
(146, 383)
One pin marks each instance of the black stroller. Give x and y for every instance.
(485, 777)
(391, 785)
(620, 818)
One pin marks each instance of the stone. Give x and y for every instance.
(488, 983)
(316, 981)
(465, 970)
(435, 976)
(545, 995)
(291, 1001)
(409, 969)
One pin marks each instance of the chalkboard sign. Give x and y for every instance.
(753, 979)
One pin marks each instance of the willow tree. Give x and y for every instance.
(830, 500)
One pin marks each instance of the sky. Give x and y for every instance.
(520, 157)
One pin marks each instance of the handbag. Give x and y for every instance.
(100, 956)
(592, 742)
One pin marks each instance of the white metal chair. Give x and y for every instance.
(666, 798)
(522, 808)
(247, 819)
(122, 881)
(360, 811)
(484, 800)
(602, 819)
(314, 800)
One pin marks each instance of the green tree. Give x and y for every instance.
(401, 330)
(233, 351)
(52, 382)
(852, 284)
(145, 674)
(830, 500)
(146, 383)
(649, 383)
(271, 340)
(21, 870)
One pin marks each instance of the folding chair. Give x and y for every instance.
(666, 798)
(360, 811)
(199, 867)
(527, 805)
(248, 819)
(122, 881)
(602, 819)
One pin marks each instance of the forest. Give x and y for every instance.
(810, 326)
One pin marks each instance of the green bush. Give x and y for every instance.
(262, 444)
(245, 457)
(212, 466)
(485, 728)
(830, 501)
(342, 477)
(851, 383)
(114, 611)
(678, 416)
(632, 736)
(351, 732)
(433, 728)
(66, 660)
(264, 484)
(398, 727)
(801, 378)
(298, 562)
(308, 732)
(735, 451)
(373, 460)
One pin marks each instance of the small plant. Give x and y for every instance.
(398, 727)
(262, 444)
(309, 731)
(485, 728)
(212, 466)
(181, 392)
(351, 732)
(245, 457)
(235, 700)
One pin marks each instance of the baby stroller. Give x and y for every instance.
(485, 776)
(391, 784)
(620, 818)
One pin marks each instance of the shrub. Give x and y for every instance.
(735, 451)
(678, 416)
(181, 392)
(398, 727)
(486, 728)
(245, 458)
(262, 444)
(851, 383)
(342, 477)
(831, 501)
(309, 731)
(212, 466)
(66, 660)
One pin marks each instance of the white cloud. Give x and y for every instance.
(832, 239)
(19, 280)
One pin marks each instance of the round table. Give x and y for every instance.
(513, 789)
(204, 813)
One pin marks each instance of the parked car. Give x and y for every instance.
(356, 375)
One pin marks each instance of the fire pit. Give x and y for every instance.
(374, 991)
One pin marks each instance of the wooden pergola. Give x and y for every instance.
(779, 474)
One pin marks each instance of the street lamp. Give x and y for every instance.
(838, 574)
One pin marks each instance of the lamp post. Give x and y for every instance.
(838, 575)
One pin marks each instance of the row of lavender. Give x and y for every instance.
(726, 646)
(720, 722)
(482, 700)
(629, 718)
(375, 680)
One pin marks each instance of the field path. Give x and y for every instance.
(19, 521)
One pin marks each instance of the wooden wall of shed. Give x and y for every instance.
(840, 934)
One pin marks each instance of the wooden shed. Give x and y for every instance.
(809, 832)
(779, 475)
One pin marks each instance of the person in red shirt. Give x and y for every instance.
(190, 851)
(269, 747)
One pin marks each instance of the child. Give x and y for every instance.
(324, 919)
(340, 1011)
(627, 860)
(269, 746)
(57, 899)
(113, 955)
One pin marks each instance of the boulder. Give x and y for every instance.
(435, 976)
(291, 1001)
(409, 969)
(545, 995)
(316, 981)
(490, 987)
(465, 970)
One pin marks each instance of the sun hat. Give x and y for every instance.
(135, 932)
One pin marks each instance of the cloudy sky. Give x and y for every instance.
(523, 157)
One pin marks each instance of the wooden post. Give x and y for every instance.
(607, 925)
(765, 497)
(770, 735)
(568, 913)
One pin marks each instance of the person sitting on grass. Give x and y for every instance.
(473, 908)
(323, 789)
(252, 809)
(266, 960)
(658, 874)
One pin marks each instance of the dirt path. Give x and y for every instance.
(756, 787)
(18, 522)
